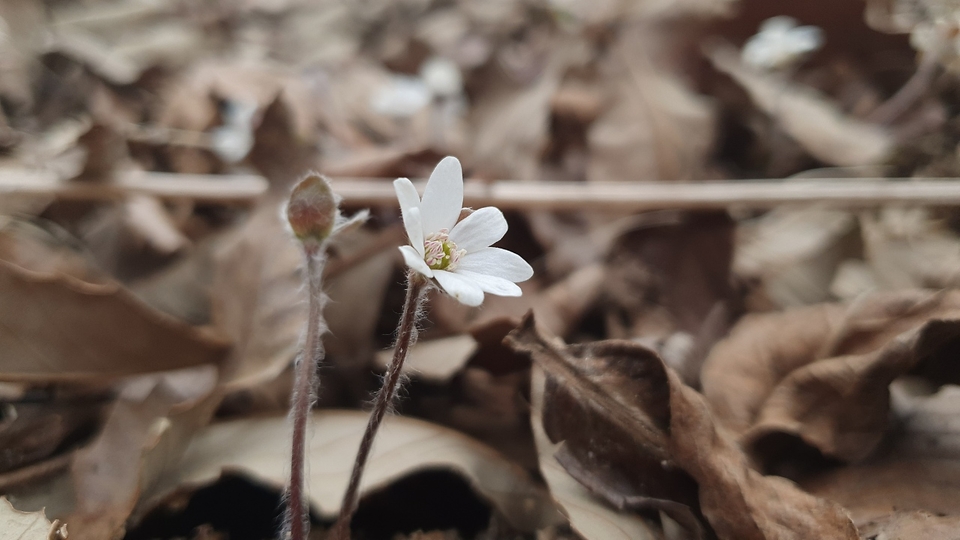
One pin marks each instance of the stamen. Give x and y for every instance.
(440, 253)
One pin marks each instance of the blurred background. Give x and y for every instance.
(146, 147)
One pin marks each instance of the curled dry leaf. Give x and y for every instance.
(57, 328)
(588, 515)
(917, 470)
(813, 121)
(637, 436)
(259, 448)
(16, 525)
(822, 373)
(141, 442)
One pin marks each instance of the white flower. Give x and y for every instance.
(780, 42)
(442, 77)
(402, 96)
(457, 256)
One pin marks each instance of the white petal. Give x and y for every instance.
(459, 287)
(410, 212)
(497, 262)
(480, 229)
(415, 261)
(492, 284)
(443, 196)
(406, 193)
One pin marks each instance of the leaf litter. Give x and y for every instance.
(731, 374)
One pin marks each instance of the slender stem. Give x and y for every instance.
(298, 509)
(405, 337)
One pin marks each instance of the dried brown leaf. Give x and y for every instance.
(511, 120)
(670, 286)
(141, 442)
(436, 360)
(916, 470)
(588, 514)
(641, 434)
(682, 269)
(810, 118)
(42, 247)
(257, 298)
(33, 431)
(795, 253)
(260, 448)
(57, 328)
(907, 248)
(356, 299)
(654, 128)
(822, 373)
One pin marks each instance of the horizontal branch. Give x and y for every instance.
(232, 188)
(510, 194)
(636, 196)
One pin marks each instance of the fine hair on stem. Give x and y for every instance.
(406, 336)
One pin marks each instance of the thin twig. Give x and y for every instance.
(304, 393)
(628, 196)
(641, 196)
(234, 188)
(405, 337)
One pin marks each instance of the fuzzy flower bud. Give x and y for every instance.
(313, 210)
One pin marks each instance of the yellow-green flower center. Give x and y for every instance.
(440, 253)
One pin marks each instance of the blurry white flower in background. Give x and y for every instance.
(404, 95)
(233, 140)
(401, 97)
(780, 43)
(442, 77)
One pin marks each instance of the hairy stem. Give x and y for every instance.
(305, 383)
(405, 337)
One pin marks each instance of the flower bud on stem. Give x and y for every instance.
(313, 213)
(406, 335)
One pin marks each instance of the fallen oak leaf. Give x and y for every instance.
(916, 469)
(143, 438)
(822, 373)
(257, 448)
(57, 328)
(588, 515)
(622, 394)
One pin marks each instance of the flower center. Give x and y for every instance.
(440, 253)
